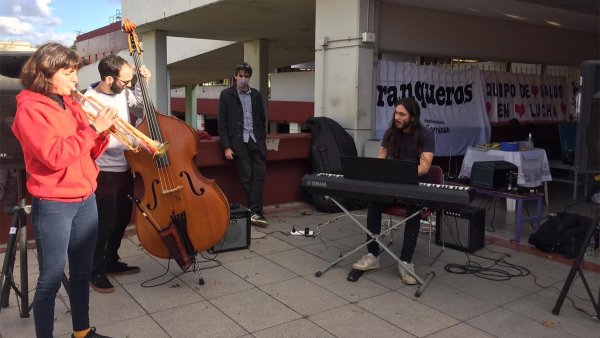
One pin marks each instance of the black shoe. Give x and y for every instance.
(120, 268)
(92, 334)
(100, 283)
(258, 219)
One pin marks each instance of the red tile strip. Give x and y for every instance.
(528, 249)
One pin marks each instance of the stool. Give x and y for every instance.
(519, 207)
(537, 218)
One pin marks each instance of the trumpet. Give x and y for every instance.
(122, 130)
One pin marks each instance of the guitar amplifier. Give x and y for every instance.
(237, 235)
(462, 229)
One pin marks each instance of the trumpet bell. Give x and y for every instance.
(123, 130)
(161, 150)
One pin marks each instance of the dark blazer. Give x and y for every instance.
(231, 120)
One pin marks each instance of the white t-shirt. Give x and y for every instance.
(127, 101)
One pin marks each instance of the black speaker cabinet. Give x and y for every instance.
(462, 229)
(237, 235)
(491, 174)
(587, 146)
(11, 155)
(11, 62)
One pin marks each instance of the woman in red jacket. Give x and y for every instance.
(60, 144)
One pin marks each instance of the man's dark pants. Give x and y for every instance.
(114, 214)
(251, 166)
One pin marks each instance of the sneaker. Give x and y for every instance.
(405, 276)
(258, 219)
(367, 262)
(92, 334)
(120, 268)
(101, 284)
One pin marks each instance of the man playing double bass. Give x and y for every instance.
(117, 88)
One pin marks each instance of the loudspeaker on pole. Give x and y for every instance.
(587, 147)
(11, 155)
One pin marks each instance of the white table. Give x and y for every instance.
(533, 164)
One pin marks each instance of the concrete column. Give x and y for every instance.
(155, 59)
(256, 53)
(191, 106)
(344, 64)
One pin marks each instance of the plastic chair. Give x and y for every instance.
(399, 210)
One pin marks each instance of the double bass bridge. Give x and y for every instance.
(170, 191)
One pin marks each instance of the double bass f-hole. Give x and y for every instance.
(184, 173)
(165, 192)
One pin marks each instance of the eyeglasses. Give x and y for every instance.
(128, 83)
(125, 83)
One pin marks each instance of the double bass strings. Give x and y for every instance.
(166, 180)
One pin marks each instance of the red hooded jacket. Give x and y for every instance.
(59, 147)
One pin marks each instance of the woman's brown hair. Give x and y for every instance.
(44, 63)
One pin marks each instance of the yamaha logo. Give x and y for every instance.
(317, 184)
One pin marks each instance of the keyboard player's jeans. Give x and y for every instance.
(411, 230)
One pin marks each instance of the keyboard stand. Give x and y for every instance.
(422, 283)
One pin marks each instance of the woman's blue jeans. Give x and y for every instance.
(63, 230)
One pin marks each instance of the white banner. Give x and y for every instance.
(534, 98)
(452, 104)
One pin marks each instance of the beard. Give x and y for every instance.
(404, 126)
(116, 89)
(401, 126)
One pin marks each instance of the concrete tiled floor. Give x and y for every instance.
(270, 290)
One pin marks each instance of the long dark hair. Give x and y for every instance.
(44, 63)
(413, 109)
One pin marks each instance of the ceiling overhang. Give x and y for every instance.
(289, 28)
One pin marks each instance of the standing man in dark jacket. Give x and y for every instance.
(242, 131)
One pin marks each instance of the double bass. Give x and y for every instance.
(175, 192)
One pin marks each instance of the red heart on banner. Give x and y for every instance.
(563, 108)
(535, 90)
(488, 106)
(520, 109)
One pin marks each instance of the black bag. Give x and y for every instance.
(563, 233)
(329, 142)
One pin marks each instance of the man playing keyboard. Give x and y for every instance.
(405, 139)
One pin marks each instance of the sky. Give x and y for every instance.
(40, 21)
